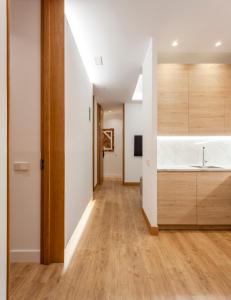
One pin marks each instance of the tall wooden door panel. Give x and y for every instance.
(53, 128)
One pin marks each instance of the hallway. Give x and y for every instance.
(118, 259)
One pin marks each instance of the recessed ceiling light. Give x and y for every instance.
(175, 43)
(109, 111)
(218, 44)
(99, 61)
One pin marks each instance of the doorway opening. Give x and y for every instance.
(113, 142)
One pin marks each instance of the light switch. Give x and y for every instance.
(21, 166)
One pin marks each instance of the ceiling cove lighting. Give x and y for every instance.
(175, 43)
(138, 94)
(86, 52)
(218, 44)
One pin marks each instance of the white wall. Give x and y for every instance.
(113, 161)
(25, 130)
(150, 136)
(133, 126)
(3, 151)
(78, 136)
(186, 151)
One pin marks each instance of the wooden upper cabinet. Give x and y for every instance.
(194, 99)
(228, 100)
(209, 90)
(214, 198)
(176, 198)
(172, 86)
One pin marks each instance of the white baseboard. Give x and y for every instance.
(25, 256)
(74, 240)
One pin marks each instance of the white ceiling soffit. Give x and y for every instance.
(138, 94)
(119, 31)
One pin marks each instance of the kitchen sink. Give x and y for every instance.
(206, 167)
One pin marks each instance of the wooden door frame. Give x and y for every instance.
(93, 143)
(52, 131)
(99, 143)
(101, 146)
(123, 139)
(8, 152)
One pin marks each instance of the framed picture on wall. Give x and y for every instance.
(108, 139)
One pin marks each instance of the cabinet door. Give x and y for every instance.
(172, 83)
(208, 89)
(177, 198)
(228, 100)
(214, 198)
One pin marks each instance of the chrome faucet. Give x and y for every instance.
(203, 158)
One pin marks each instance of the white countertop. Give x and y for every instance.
(179, 168)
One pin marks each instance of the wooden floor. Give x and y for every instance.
(118, 259)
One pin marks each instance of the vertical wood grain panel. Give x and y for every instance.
(176, 194)
(172, 83)
(194, 99)
(209, 91)
(123, 143)
(228, 100)
(214, 198)
(100, 158)
(98, 144)
(101, 146)
(93, 142)
(8, 149)
(53, 131)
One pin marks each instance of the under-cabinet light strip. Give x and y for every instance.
(193, 137)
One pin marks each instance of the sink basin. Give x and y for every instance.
(206, 167)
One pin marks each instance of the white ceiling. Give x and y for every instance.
(119, 31)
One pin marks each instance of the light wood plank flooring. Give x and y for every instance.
(118, 259)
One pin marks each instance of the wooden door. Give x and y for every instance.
(100, 151)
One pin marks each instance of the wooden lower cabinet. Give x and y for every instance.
(176, 198)
(214, 198)
(194, 198)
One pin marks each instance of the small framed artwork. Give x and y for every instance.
(108, 140)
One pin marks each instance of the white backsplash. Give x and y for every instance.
(186, 151)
